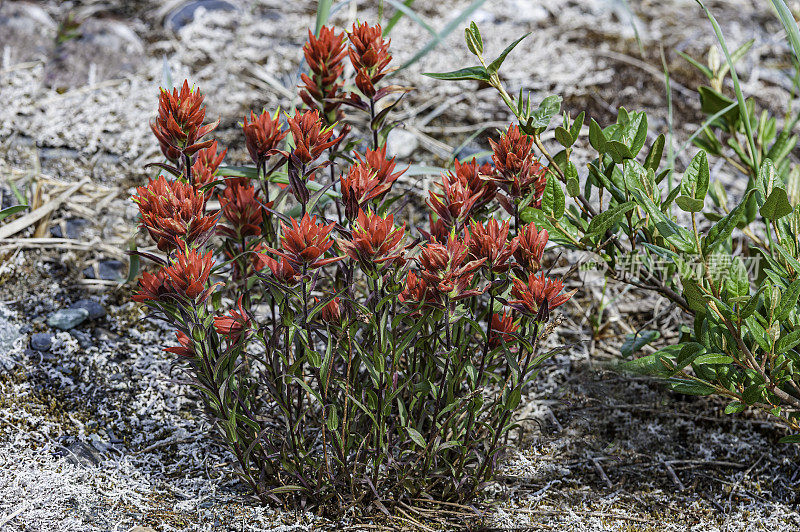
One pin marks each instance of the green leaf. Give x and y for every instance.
(735, 407)
(494, 66)
(777, 205)
(550, 106)
(575, 129)
(694, 183)
(712, 102)
(474, 39)
(689, 204)
(672, 232)
(653, 159)
(563, 137)
(766, 180)
(596, 137)
(752, 393)
(794, 438)
(788, 301)
(660, 364)
(722, 230)
(416, 436)
(690, 387)
(713, 358)
(477, 73)
(606, 219)
(323, 12)
(636, 341)
(8, 211)
(553, 200)
(788, 342)
(572, 182)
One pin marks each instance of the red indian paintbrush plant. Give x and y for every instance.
(347, 362)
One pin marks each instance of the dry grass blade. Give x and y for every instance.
(34, 216)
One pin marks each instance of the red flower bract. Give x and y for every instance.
(185, 349)
(331, 313)
(502, 330)
(367, 180)
(456, 203)
(518, 173)
(538, 291)
(152, 287)
(205, 167)
(374, 241)
(324, 56)
(179, 125)
(445, 269)
(304, 243)
(173, 213)
(309, 135)
(188, 275)
(281, 269)
(242, 209)
(530, 247)
(233, 323)
(476, 179)
(369, 53)
(490, 242)
(262, 135)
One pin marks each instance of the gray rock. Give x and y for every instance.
(401, 143)
(66, 319)
(185, 13)
(84, 339)
(74, 228)
(111, 270)
(80, 453)
(95, 309)
(41, 341)
(474, 150)
(9, 333)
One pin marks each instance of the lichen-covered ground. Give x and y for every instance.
(98, 433)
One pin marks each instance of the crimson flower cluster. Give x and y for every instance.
(518, 173)
(369, 53)
(179, 125)
(324, 55)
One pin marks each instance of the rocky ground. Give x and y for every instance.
(96, 430)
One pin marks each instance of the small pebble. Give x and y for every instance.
(185, 12)
(84, 339)
(41, 341)
(95, 309)
(66, 319)
(111, 270)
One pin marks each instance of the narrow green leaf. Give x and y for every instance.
(323, 12)
(494, 66)
(477, 73)
(442, 35)
(8, 211)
